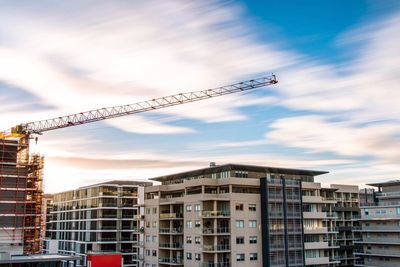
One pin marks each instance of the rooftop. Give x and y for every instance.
(39, 258)
(388, 183)
(238, 167)
(120, 182)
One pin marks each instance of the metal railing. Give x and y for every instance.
(222, 230)
(170, 230)
(170, 215)
(170, 260)
(215, 213)
(171, 245)
(216, 248)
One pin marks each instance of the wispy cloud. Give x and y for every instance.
(76, 56)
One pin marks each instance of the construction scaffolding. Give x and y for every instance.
(21, 193)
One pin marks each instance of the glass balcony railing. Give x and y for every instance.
(170, 260)
(216, 248)
(215, 213)
(222, 230)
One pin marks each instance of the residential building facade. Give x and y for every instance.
(100, 218)
(380, 227)
(344, 208)
(319, 227)
(238, 215)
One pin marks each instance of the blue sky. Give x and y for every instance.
(335, 107)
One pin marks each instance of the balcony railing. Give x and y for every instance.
(170, 230)
(170, 260)
(215, 213)
(171, 245)
(170, 215)
(216, 248)
(222, 230)
(215, 264)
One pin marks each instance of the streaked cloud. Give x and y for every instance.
(76, 56)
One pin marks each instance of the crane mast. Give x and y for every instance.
(38, 127)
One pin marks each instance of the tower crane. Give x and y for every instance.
(25, 130)
(24, 172)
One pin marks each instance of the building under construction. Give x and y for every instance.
(21, 196)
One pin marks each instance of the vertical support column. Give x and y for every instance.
(264, 221)
(285, 221)
(302, 220)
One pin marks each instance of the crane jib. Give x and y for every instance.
(157, 103)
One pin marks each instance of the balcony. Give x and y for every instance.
(171, 245)
(170, 230)
(215, 213)
(316, 245)
(170, 261)
(314, 215)
(215, 264)
(218, 248)
(317, 230)
(216, 231)
(167, 216)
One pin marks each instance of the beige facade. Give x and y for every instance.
(214, 217)
(319, 227)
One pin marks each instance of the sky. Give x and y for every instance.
(335, 108)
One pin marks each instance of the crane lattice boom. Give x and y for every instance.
(118, 111)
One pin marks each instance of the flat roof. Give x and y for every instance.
(39, 258)
(120, 182)
(239, 167)
(388, 183)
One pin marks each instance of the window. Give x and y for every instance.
(154, 224)
(252, 207)
(252, 223)
(154, 210)
(147, 224)
(147, 238)
(253, 256)
(241, 174)
(147, 252)
(147, 210)
(240, 240)
(253, 240)
(188, 224)
(188, 208)
(154, 253)
(239, 206)
(366, 212)
(197, 240)
(240, 257)
(197, 223)
(197, 208)
(188, 240)
(398, 210)
(154, 238)
(239, 224)
(197, 256)
(188, 255)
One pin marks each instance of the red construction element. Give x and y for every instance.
(104, 260)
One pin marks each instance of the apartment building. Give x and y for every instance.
(344, 208)
(320, 231)
(237, 215)
(380, 227)
(100, 218)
